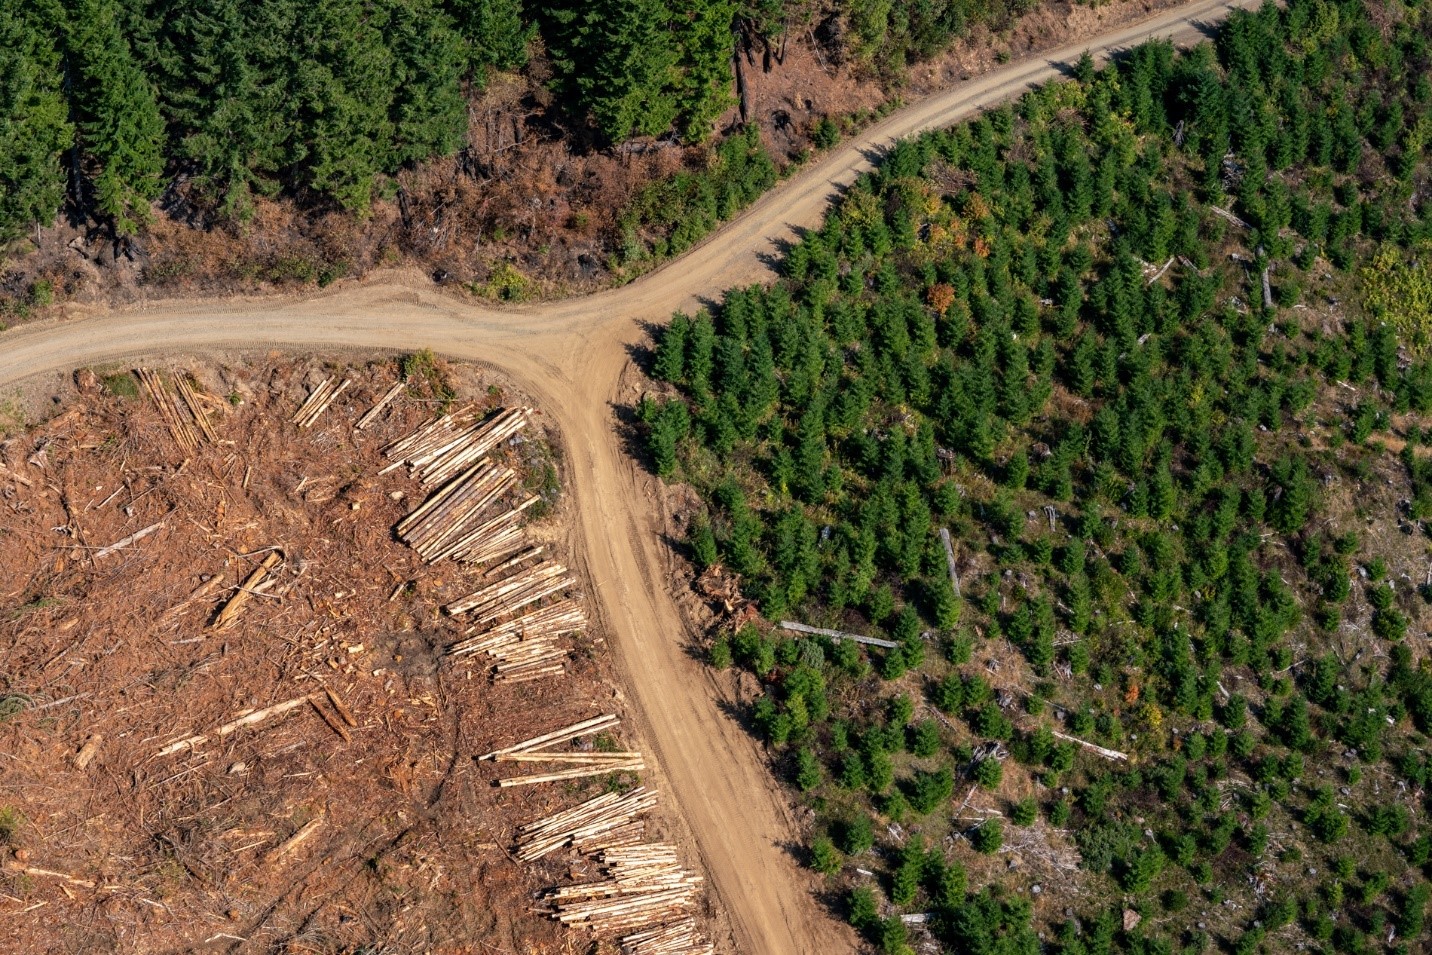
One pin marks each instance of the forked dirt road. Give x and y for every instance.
(570, 355)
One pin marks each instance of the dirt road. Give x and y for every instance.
(571, 356)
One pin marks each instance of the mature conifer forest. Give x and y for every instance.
(1153, 344)
(112, 101)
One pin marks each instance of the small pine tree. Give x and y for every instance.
(989, 837)
(824, 856)
(809, 772)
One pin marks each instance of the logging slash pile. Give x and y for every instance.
(472, 518)
(227, 700)
(642, 884)
(645, 894)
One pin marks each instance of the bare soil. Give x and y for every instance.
(106, 845)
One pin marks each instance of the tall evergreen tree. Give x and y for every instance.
(120, 132)
(225, 90)
(429, 112)
(495, 33)
(707, 43)
(633, 70)
(34, 131)
(343, 87)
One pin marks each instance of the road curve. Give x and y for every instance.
(570, 356)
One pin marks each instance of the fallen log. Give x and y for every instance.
(138, 535)
(36, 872)
(950, 559)
(341, 707)
(287, 847)
(837, 634)
(1113, 754)
(198, 593)
(333, 724)
(246, 719)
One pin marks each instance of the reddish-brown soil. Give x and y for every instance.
(103, 655)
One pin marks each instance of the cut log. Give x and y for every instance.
(236, 603)
(196, 408)
(576, 758)
(318, 401)
(179, 428)
(579, 772)
(88, 751)
(584, 728)
(371, 415)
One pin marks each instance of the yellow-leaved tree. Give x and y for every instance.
(1397, 288)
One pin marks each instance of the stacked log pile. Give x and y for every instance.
(599, 823)
(644, 884)
(526, 648)
(678, 938)
(565, 616)
(512, 593)
(583, 763)
(196, 408)
(440, 525)
(174, 414)
(443, 447)
(318, 401)
(455, 521)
